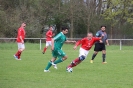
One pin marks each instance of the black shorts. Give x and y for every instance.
(99, 47)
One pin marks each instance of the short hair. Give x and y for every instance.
(24, 23)
(64, 28)
(90, 33)
(103, 26)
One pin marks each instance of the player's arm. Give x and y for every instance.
(98, 39)
(107, 42)
(52, 44)
(98, 34)
(49, 34)
(78, 43)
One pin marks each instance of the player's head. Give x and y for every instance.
(23, 25)
(89, 35)
(51, 28)
(103, 28)
(64, 30)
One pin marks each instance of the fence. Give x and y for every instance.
(119, 41)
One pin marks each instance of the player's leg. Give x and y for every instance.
(44, 50)
(49, 64)
(96, 49)
(59, 60)
(48, 43)
(21, 48)
(61, 57)
(54, 54)
(76, 61)
(104, 53)
(93, 56)
(82, 55)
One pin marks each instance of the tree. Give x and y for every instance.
(118, 13)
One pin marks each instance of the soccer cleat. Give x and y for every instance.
(43, 52)
(69, 69)
(46, 71)
(104, 62)
(55, 66)
(91, 61)
(15, 57)
(18, 59)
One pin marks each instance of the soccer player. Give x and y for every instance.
(101, 46)
(86, 44)
(57, 43)
(49, 36)
(20, 41)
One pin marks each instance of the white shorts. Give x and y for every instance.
(48, 43)
(21, 46)
(83, 52)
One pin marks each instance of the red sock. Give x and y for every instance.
(18, 54)
(75, 62)
(44, 50)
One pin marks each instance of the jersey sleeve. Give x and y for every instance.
(97, 39)
(19, 32)
(57, 37)
(79, 42)
(98, 34)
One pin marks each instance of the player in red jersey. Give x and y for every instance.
(86, 44)
(20, 41)
(49, 36)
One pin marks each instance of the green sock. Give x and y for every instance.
(58, 61)
(48, 66)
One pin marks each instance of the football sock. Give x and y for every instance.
(44, 50)
(104, 56)
(58, 61)
(93, 56)
(75, 62)
(48, 66)
(18, 53)
(71, 65)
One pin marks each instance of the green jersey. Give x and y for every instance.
(59, 40)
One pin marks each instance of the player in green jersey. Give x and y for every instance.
(57, 43)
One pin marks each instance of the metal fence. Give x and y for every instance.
(119, 42)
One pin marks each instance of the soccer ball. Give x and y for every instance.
(69, 69)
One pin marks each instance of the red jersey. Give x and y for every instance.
(49, 35)
(21, 32)
(86, 43)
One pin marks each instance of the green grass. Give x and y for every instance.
(28, 73)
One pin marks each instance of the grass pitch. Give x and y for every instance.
(28, 73)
